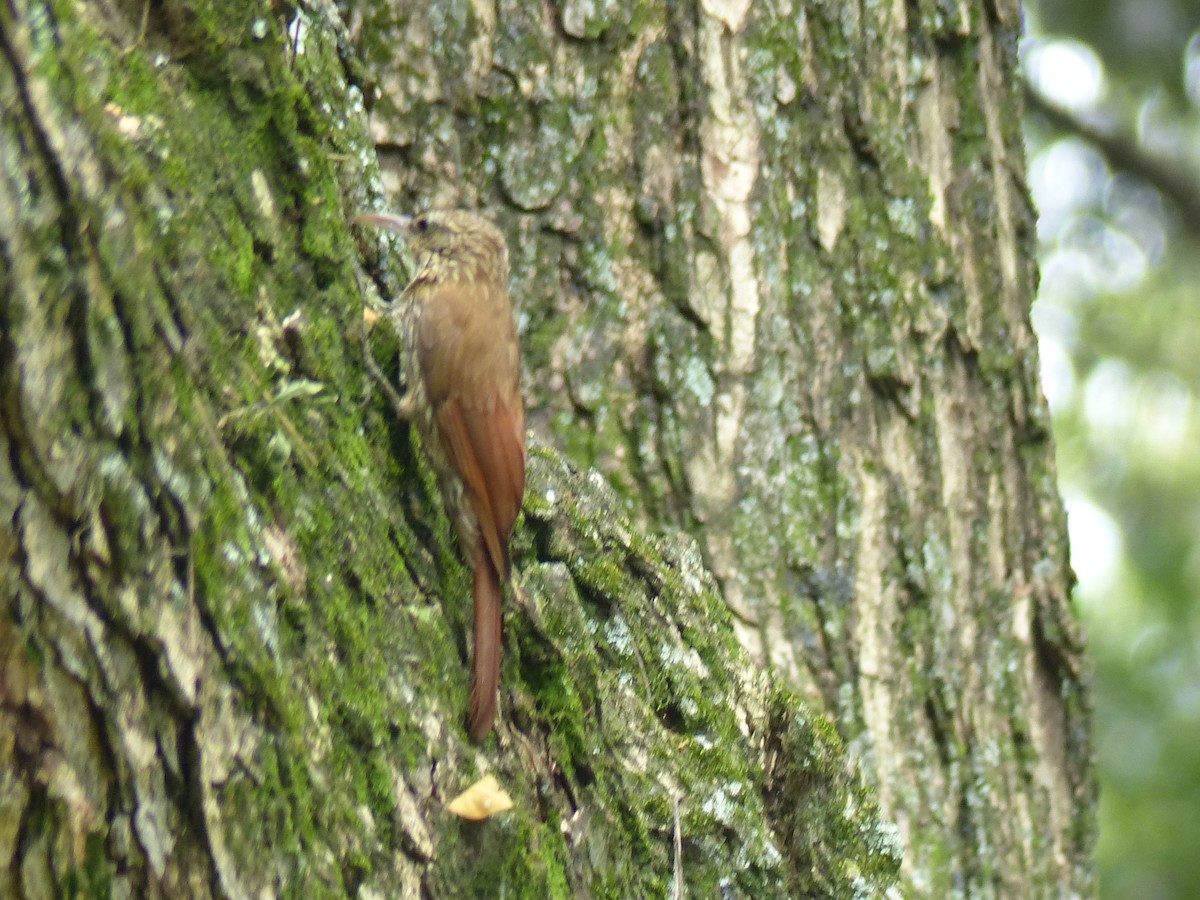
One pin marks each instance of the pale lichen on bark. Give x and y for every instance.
(234, 633)
(777, 290)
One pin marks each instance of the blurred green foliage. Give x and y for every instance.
(1142, 42)
(1119, 320)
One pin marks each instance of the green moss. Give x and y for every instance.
(622, 676)
(662, 698)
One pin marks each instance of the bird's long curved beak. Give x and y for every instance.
(398, 224)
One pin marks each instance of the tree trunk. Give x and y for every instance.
(773, 267)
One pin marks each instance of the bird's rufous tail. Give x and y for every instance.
(485, 668)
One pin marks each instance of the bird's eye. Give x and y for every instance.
(422, 224)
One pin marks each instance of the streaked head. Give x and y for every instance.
(445, 241)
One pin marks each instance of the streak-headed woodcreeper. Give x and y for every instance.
(462, 380)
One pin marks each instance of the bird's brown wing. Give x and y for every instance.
(470, 362)
(470, 365)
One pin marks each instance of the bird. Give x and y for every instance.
(462, 392)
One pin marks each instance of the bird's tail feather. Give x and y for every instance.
(485, 668)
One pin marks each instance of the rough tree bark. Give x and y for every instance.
(773, 267)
